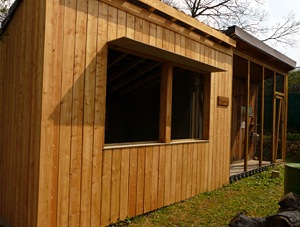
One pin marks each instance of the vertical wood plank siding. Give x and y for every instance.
(54, 143)
(21, 65)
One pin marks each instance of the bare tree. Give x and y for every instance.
(172, 3)
(3, 9)
(284, 32)
(247, 14)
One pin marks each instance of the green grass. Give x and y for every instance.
(257, 196)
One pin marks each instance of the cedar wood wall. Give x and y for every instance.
(80, 183)
(21, 61)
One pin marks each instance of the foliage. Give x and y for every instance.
(257, 196)
(294, 82)
(247, 14)
(293, 136)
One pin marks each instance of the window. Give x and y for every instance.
(133, 98)
(189, 100)
(134, 101)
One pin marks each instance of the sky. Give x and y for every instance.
(278, 9)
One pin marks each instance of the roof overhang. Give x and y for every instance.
(126, 44)
(253, 46)
(184, 20)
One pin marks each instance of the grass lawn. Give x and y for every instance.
(257, 195)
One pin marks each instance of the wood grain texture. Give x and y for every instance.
(99, 114)
(73, 180)
(65, 116)
(124, 187)
(20, 103)
(49, 126)
(88, 113)
(132, 182)
(148, 179)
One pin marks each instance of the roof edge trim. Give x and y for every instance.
(237, 32)
(188, 20)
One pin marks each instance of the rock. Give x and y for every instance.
(241, 220)
(289, 201)
(288, 215)
(285, 218)
(275, 174)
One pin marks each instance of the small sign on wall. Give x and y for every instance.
(223, 101)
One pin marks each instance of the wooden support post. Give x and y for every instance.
(285, 114)
(166, 103)
(247, 119)
(262, 114)
(273, 148)
(206, 111)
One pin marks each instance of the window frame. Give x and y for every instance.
(166, 80)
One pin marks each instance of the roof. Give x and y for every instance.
(184, 20)
(247, 42)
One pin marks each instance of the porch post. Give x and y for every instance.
(166, 103)
(262, 114)
(247, 119)
(285, 116)
(273, 148)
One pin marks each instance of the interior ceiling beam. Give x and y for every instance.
(116, 60)
(133, 77)
(140, 83)
(124, 69)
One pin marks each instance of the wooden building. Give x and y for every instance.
(259, 101)
(111, 109)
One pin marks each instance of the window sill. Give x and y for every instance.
(188, 141)
(147, 144)
(133, 144)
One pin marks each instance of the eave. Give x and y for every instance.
(252, 46)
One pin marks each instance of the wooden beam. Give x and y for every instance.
(282, 126)
(278, 127)
(262, 114)
(144, 82)
(279, 93)
(166, 103)
(285, 115)
(119, 58)
(206, 104)
(247, 118)
(273, 147)
(133, 77)
(124, 69)
(254, 60)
